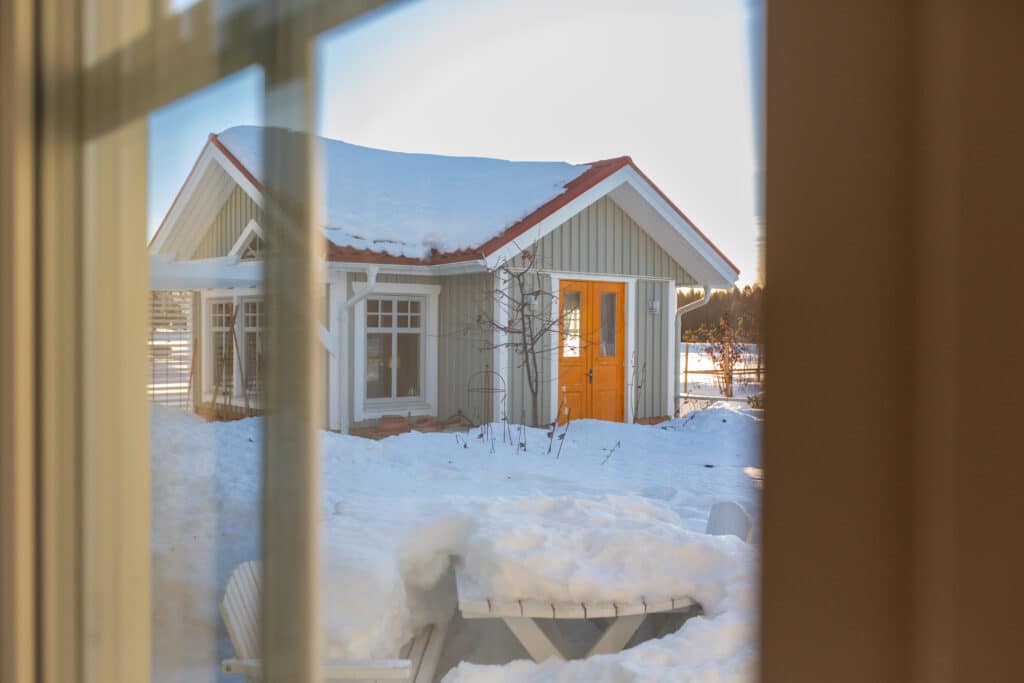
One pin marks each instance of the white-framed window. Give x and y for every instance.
(222, 318)
(232, 345)
(395, 354)
(252, 345)
(394, 348)
(249, 246)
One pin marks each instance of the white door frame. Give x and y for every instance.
(630, 315)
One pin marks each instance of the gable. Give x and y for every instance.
(604, 239)
(227, 226)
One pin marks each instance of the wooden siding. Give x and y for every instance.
(649, 346)
(519, 401)
(227, 226)
(602, 239)
(461, 347)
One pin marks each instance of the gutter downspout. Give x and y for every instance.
(330, 342)
(680, 312)
(371, 283)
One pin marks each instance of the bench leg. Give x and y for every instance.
(533, 639)
(617, 635)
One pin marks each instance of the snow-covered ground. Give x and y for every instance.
(620, 513)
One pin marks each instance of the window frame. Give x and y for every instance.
(364, 408)
(394, 330)
(237, 297)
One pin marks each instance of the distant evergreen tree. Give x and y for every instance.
(746, 305)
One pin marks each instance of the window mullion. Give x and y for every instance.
(394, 353)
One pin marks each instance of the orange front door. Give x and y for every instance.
(591, 353)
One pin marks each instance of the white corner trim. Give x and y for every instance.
(428, 404)
(668, 310)
(631, 311)
(251, 228)
(556, 388)
(500, 354)
(339, 294)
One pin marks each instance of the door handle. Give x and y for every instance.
(590, 376)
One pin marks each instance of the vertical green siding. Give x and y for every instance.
(228, 225)
(462, 347)
(603, 239)
(519, 400)
(649, 346)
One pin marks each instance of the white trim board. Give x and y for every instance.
(251, 228)
(646, 206)
(629, 312)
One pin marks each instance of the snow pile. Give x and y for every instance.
(617, 516)
(409, 204)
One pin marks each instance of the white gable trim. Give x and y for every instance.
(251, 228)
(684, 243)
(176, 237)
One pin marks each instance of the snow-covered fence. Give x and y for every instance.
(170, 348)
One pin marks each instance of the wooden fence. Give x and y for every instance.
(696, 368)
(171, 348)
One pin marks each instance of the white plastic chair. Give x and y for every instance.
(240, 609)
(728, 518)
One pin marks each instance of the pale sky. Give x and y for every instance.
(667, 82)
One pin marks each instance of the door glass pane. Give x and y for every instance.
(571, 316)
(609, 308)
(408, 369)
(378, 365)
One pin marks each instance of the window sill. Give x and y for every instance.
(397, 407)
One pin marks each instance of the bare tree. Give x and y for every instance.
(525, 313)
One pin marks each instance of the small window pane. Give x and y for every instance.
(385, 320)
(403, 320)
(372, 305)
(609, 309)
(372, 321)
(414, 306)
(408, 370)
(403, 306)
(385, 306)
(414, 321)
(378, 366)
(571, 324)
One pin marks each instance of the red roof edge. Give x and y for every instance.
(215, 141)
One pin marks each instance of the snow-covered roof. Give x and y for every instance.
(414, 204)
(399, 209)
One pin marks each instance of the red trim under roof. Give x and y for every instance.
(598, 171)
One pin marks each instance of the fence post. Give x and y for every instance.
(759, 351)
(686, 367)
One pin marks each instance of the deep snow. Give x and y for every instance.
(600, 522)
(407, 204)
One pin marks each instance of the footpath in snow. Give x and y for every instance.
(620, 513)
